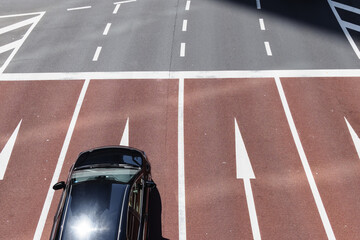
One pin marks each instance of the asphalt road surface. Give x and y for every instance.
(248, 111)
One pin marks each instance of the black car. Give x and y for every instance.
(105, 197)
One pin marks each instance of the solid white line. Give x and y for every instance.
(258, 4)
(262, 25)
(116, 9)
(107, 28)
(305, 163)
(78, 8)
(184, 26)
(252, 211)
(36, 21)
(187, 7)
(12, 45)
(182, 50)
(22, 14)
(64, 149)
(5, 154)
(125, 136)
(18, 25)
(268, 49)
(97, 53)
(351, 26)
(354, 137)
(345, 73)
(126, 1)
(181, 163)
(346, 7)
(343, 27)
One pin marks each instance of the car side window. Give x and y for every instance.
(134, 213)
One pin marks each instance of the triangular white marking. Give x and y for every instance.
(354, 137)
(7, 150)
(14, 46)
(125, 137)
(243, 165)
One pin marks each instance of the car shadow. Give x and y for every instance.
(155, 207)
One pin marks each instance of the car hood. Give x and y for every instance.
(95, 210)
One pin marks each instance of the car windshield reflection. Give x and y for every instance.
(122, 175)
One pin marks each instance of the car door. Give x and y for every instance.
(135, 209)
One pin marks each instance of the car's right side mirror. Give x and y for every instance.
(59, 185)
(150, 184)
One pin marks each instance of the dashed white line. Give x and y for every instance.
(268, 49)
(107, 28)
(116, 9)
(97, 53)
(262, 24)
(305, 163)
(78, 8)
(182, 50)
(258, 4)
(187, 6)
(184, 26)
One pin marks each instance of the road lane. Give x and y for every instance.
(215, 199)
(319, 118)
(152, 113)
(34, 157)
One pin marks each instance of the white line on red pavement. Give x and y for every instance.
(181, 163)
(354, 137)
(305, 163)
(125, 136)
(78, 8)
(64, 149)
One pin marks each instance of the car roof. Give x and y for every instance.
(111, 155)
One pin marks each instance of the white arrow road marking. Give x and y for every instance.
(125, 137)
(354, 137)
(17, 44)
(244, 171)
(7, 150)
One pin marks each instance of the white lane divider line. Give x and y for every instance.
(184, 26)
(5, 154)
(187, 6)
(258, 4)
(343, 26)
(181, 163)
(64, 149)
(107, 28)
(126, 1)
(116, 9)
(305, 163)
(78, 8)
(182, 49)
(262, 24)
(268, 49)
(97, 53)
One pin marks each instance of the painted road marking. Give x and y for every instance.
(187, 6)
(5, 154)
(305, 163)
(258, 4)
(182, 50)
(346, 7)
(181, 163)
(184, 26)
(97, 54)
(107, 28)
(64, 149)
(262, 24)
(354, 137)
(116, 9)
(17, 44)
(78, 8)
(244, 171)
(343, 26)
(125, 136)
(126, 1)
(268, 49)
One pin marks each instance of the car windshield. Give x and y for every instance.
(123, 175)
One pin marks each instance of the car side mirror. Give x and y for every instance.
(59, 185)
(150, 184)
